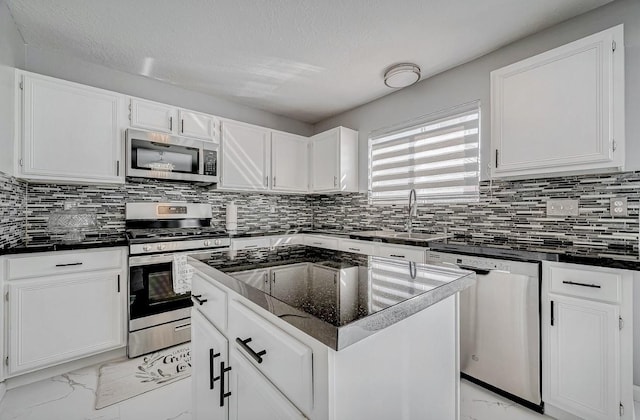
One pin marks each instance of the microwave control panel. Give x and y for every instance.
(210, 158)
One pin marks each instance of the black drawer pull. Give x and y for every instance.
(68, 264)
(256, 356)
(223, 394)
(595, 286)
(354, 249)
(197, 298)
(212, 378)
(397, 256)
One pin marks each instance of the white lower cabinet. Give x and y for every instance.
(587, 340)
(209, 348)
(583, 357)
(253, 397)
(57, 318)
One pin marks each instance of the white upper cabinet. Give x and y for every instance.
(245, 157)
(155, 116)
(289, 162)
(198, 125)
(561, 111)
(69, 132)
(334, 161)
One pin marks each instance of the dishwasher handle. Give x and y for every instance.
(480, 271)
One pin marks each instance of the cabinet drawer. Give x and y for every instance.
(409, 253)
(63, 262)
(214, 301)
(360, 247)
(250, 243)
(585, 281)
(287, 362)
(321, 241)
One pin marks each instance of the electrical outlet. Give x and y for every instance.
(562, 207)
(618, 206)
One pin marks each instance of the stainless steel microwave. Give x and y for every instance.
(163, 156)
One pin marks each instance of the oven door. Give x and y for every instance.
(151, 293)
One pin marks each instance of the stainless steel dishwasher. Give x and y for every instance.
(500, 326)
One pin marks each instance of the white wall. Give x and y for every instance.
(56, 64)
(11, 55)
(470, 82)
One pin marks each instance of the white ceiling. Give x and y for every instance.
(306, 59)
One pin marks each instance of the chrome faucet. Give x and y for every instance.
(413, 209)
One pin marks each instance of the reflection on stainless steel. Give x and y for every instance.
(413, 209)
(338, 298)
(500, 325)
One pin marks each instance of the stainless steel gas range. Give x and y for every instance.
(159, 317)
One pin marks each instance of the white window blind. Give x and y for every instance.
(438, 156)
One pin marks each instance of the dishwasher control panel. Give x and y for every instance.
(467, 261)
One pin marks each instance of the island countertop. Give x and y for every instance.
(336, 297)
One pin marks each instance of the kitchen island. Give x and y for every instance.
(302, 332)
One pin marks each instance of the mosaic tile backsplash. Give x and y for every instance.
(512, 212)
(12, 211)
(256, 212)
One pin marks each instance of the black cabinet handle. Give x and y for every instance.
(197, 298)
(552, 314)
(223, 394)
(68, 264)
(397, 256)
(256, 356)
(182, 121)
(573, 283)
(212, 378)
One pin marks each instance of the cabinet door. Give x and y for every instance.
(70, 132)
(583, 357)
(561, 110)
(208, 348)
(153, 116)
(289, 283)
(198, 125)
(255, 278)
(253, 397)
(245, 152)
(289, 162)
(325, 168)
(53, 320)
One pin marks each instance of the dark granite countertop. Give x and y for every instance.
(336, 297)
(53, 245)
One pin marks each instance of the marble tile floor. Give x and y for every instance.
(72, 397)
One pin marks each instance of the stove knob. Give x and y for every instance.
(207, 243)
(146, 248)
(161, 247)
(217, 242)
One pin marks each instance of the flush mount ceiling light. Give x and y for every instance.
(401, 75)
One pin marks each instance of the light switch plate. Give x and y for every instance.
(618, 206)
(562, 207)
